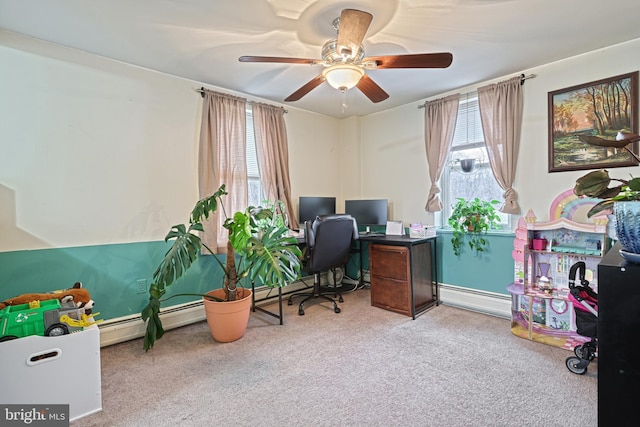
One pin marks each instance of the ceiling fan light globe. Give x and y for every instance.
(343, 76)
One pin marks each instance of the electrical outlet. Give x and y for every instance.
(141, 286)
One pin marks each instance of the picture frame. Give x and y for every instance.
(580, 110)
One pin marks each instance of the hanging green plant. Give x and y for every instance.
(470, 220)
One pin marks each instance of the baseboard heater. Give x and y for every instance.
(485, 302)
(131, 327)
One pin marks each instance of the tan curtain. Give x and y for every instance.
(501, 114)
(273, 155)
(439, 125)
(222, 160)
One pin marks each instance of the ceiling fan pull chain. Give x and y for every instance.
(343, 99)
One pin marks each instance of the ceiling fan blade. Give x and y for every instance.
(371, 89)
(353, 26)
(277, 59)
(306, 89)
(418, 60)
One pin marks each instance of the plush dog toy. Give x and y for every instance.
(77, 294)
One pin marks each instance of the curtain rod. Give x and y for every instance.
(522, 79)
(201, 91)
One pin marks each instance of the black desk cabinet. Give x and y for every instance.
(618, 341)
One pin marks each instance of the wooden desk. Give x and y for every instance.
(403, 273)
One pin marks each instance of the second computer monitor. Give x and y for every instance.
(367, 212)
(311, 207)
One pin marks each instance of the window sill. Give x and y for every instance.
(505, 232)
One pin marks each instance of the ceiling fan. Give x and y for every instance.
(345, 63)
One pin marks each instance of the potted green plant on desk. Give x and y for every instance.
(258, 248)
(470, 221)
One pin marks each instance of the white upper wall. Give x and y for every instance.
(94, 151)
(536, 186)
(314, 154)
(393, 152)
(394, 164)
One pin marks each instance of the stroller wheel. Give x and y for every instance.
(577, 365)
(577, 350)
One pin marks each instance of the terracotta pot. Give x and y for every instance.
(471, 227)
(228, 320)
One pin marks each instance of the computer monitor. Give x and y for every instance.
(367, 212)
(311, 207)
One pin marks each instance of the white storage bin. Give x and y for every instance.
(419, 231)
(53, 370)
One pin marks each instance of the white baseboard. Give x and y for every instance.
(131, 327)
(485, 302)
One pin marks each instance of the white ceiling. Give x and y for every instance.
(201, 40)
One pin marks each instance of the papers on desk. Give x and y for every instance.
(294, 233)
(371, 233)
(394, 228)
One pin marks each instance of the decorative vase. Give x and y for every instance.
(628, 225)
(228, 320)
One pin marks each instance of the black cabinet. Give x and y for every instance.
(618, 340)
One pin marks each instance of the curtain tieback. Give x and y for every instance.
(510, 202)
(435, 189)
(433, 201)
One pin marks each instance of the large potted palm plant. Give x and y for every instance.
(258, 248)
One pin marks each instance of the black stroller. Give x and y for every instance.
(585, 304)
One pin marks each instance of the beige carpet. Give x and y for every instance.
(362, 367)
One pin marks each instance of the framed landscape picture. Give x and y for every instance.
(600, 108)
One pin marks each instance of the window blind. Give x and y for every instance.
(468, 126)
(252, 157)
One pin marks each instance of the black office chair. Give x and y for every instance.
(328, 240)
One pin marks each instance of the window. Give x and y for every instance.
(468, 145)
(253, 171)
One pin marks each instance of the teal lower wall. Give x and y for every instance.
(110, 273)
(491, 270)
